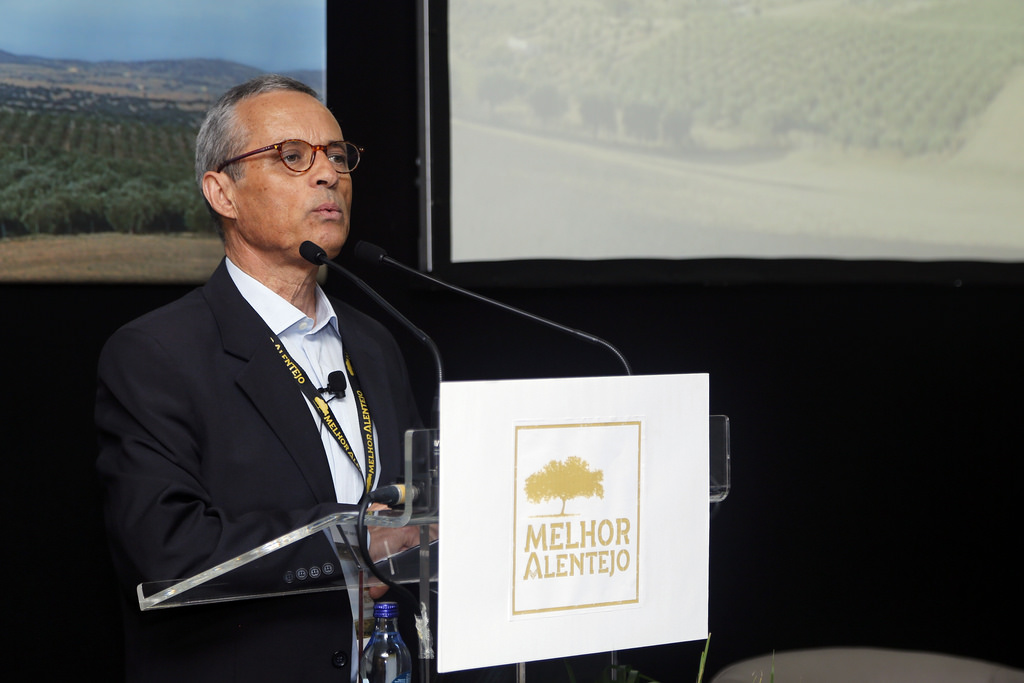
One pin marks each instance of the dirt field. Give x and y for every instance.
(110, 257)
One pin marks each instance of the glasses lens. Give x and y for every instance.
(296, 154)
(343, 155)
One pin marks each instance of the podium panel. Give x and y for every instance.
(577, 511)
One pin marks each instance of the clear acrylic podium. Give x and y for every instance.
(325, 555)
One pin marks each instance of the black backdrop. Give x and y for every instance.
(876, 427)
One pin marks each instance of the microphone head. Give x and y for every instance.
(370, 252)
(312, 253)
(336, 383)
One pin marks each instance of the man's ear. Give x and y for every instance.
(218, 190)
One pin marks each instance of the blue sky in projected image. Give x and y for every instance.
(274, 35)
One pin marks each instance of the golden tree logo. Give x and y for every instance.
(564, 480)
(576, 517)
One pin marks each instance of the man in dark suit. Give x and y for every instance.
(209, 443)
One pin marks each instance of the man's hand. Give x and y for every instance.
(386, 541)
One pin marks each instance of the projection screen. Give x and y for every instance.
(704, 129)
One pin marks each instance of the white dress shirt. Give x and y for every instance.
(316, 346)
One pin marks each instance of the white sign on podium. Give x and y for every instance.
(573, 515)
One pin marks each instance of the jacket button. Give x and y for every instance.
(339, 659)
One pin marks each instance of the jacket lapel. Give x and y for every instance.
(267, 383)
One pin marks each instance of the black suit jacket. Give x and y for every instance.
(208, 449)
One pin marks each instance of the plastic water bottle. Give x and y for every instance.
(386, 659)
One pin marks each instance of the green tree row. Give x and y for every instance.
(861, 74)
(67, 174)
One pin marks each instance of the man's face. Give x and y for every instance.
(277, 209)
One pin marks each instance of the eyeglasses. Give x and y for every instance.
(298, 155)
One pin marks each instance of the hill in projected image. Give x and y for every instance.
(716, 128)
(97, 180)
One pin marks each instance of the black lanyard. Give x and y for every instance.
(324, 411)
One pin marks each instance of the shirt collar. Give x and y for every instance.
(277, 312)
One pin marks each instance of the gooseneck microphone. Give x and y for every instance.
(317, 256)
(373, 254)
(395, 494)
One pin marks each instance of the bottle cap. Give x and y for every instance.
(385, 610)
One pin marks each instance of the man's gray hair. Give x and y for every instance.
(221, 135)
